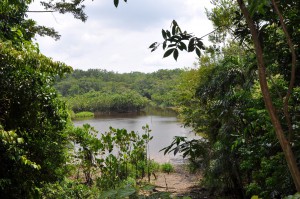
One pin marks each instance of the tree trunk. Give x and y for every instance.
(285, 145)
(293, 69)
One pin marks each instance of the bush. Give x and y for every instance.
(153, 166)
(167, 168)
(84, 114)
(68, 189)
(71, 114)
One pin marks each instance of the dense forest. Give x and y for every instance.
(105, 91)
(243, 99)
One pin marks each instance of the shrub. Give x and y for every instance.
(84, 114)
(167, 168)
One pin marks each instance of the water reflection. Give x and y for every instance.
(164, 127)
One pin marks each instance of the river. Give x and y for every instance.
(164, 126)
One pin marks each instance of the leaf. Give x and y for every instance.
(173, 30)
(200, 45)
(175, 54)
(166, 149)
(176, 150)
(253, 6)
(154, 49)
(168, 33)
(191, 46)
(175, 38)
(185, 153)
(174, 23)
(20, 140)
(164, 195)
(169, 52)
(164, 34)
(180, 47)
(125, 192)
(172, 45)
(153, 45)
(183, 45)
(109, 193)
(148, 188)
(116, 2)
(198, 52)
(164, 45)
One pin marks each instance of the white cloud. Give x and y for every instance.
(118, 39)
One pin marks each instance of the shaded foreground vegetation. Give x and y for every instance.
(246, 86)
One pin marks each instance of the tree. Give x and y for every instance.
(277, 124)
(30, 107)
(33, 121)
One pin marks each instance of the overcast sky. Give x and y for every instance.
(117, 39)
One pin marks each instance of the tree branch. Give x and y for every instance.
(39, 11)
(293, 71)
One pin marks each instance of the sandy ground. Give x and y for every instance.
(180, 183)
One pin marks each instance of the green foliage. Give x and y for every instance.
(68, 189)
(75, 7)
(239, 150)
(31, 109)
(84, 114)
(113, 159)
(295, 196)
(101, 90)
(119, 193)
(221, 100)
(35, 136)
(12, 142)
(107, 102)
(16, 28)
(174, 41)
(167, 168)
(153, 166)
(71, 114)
(33, 141)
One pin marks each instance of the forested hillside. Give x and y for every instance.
(103, 91)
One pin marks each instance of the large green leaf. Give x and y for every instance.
(125, 192)
(148, 187)
(109, 194)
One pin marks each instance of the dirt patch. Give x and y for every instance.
(180, 183)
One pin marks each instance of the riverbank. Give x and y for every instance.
(180, 183)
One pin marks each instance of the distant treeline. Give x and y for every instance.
(104, 91)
